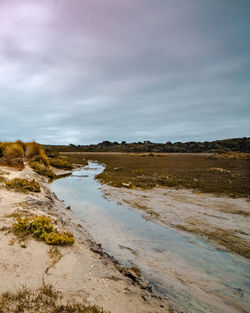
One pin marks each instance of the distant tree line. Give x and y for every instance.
(235, 144)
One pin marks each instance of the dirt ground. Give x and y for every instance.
(81, 272)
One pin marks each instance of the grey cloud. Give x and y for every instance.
(87, 71)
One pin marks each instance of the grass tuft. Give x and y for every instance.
(35, 152)
(45, 299)
(41, 169)
(13, 150)
(23, 185)
(61, 163)
(41, 228)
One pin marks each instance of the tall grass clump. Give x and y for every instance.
(35, 152)
(13, 150)
(15, 153)
(41, 228)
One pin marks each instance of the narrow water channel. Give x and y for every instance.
(181, 266)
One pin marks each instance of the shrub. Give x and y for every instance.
(20, 184)
(41, 228)
(61, 163)
(41, 169)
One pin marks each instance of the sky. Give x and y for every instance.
(85, 71)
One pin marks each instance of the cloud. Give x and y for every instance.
(87, 71)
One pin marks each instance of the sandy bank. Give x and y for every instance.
(80, 271)
(223, 220)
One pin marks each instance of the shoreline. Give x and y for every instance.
(83, 271)
(222, 220)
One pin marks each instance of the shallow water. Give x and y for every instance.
(186, 269)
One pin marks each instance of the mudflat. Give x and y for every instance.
(223, 220)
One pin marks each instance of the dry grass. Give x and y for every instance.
(34, 151)
(13, 150)
(176, 170)
(46, 299)
(231, 155)
(15, 153)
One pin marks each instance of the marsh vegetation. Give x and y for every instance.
(205, 173)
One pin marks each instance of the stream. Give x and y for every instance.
(181, 266)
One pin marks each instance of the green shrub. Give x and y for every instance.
(41, 228)
(41, 169)
(20, 184)
(61, 163)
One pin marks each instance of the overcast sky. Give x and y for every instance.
(84, 71)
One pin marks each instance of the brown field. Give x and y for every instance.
(202, 172)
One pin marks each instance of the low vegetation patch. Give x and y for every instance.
(61, 163)
(23, 185)
(225, 176)
(14, 153)
(231, 155)
(41, 169)
(46, 299)
(41, 228)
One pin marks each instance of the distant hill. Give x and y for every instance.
(235, 144)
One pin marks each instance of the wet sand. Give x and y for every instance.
(224, 220)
